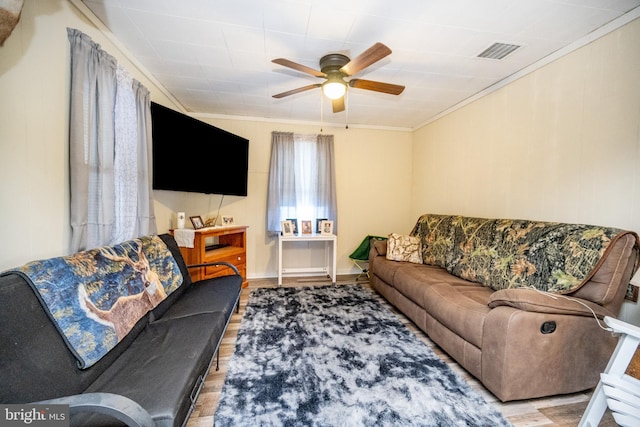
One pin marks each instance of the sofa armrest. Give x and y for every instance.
(545, 302)
(379, 246)
(114, 405)
(217, 263)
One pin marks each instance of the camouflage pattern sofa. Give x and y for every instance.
(516, 303)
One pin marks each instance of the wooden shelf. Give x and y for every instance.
(234, 251)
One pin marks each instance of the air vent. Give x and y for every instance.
(498, 50)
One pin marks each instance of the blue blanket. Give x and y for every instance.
(95, 297)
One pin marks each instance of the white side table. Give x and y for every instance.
(330, 255)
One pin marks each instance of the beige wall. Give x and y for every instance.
(34, 195)
(560, 144)
(373, 191)
(34, 87)
(34, 200)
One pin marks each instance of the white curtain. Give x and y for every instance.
(108, 150)
(125, 167)
(281, 195)
(301, 179)
(145, 216)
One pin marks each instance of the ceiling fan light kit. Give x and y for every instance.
(334, 89)
(335, 67)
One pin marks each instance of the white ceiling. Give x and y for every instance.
(214, 56)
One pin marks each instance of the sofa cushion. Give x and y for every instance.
(404, 248)
(462, 309)
(412, 282)
(385, 268)
(161, 375)
(430, 274)
(207, 296)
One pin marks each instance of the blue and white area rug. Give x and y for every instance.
(335, 356)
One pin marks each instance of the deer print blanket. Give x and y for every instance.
(95, 297)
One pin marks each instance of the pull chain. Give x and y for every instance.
(346, 101)
(321, 112)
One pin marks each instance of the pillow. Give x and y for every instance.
(404, 248)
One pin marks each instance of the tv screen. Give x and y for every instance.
(190, 155)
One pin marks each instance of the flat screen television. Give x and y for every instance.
(194, 156)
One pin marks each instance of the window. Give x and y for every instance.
(109, 143)
(301, 179)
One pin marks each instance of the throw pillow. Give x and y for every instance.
(404, 248)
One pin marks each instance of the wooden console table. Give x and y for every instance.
(213, 244)
(330, 255)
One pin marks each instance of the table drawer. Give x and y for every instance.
(237, 260)
(224, 271)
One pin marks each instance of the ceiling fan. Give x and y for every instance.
(335, 68)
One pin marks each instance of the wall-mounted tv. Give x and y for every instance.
(190, 155)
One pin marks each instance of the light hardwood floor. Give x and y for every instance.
(564, 411)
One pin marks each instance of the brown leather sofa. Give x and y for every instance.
(520, 342)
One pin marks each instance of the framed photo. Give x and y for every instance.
(326, 227)
(228, 220)
(197, 222)
(306, 227)
(318, 222)
(294, 222)
(287, 228)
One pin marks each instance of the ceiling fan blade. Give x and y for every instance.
(374, 54)
(294, 91)
(376, 86)
(299, 67)
(338, 104)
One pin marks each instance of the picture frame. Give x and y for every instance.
(228, 220)
(306, 227)
(197, 222)
(287, 228)
(210, 221)
(318, 222)
(326, 227)
(294, 222)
